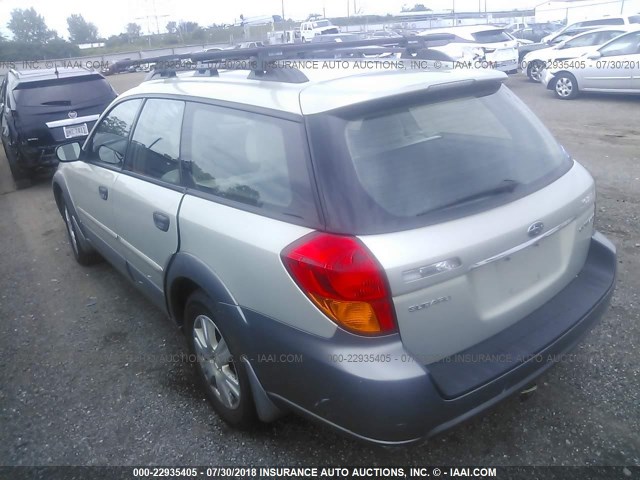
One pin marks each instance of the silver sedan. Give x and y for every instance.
(612, 68)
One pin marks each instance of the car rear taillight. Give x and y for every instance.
(343, 279)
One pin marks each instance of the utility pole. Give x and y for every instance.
(622, 7)
(453, 7)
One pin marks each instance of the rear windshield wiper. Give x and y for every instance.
(506, 186)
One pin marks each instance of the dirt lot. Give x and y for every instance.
(86, 375)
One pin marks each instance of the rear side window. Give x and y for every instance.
(634, 19)
(67, 92)
(606, 36)
(605, 21)
(626, 45)
(585, 40)
(249, 159)
(491, 36)
(426, 162)
(155, 145)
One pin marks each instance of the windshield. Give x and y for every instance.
(64, 92)
(491, 36)
(322, 23)
(423, 163)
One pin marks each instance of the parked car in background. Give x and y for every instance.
(336, 37)
(519, 41)
(383, 34)
(578, 27)
(556, 39)
(309, 30)
(116, 67)
(535, 32)
(535, 62)
(612, 68)
(42, 109)
(479, 44)
(339, 243)
(512, 27)
(246, 45)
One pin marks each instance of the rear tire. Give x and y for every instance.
(565, 86)
(83, 254)
(21, 176)
(220, 371)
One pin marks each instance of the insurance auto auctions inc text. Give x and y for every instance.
(46, 64)
(376, 472)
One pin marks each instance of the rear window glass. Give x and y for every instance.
(64, 92)
(491, 36)
(427, 162)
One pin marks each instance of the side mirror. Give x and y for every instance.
(69, 152)
(594, 55)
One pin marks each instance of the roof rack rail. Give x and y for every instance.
(262, 61)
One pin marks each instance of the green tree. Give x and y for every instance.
(172, 27)
(81, 31)
(29, 27)
(133, 30)
(188, 27)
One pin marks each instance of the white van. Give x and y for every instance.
(309, 30)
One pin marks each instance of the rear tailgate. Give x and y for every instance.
(475, 213)
(458, 283)
(58, 110)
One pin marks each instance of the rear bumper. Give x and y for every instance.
(39, 157)
(374, 390)
(507, 65)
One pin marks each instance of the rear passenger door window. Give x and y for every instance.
(583, 41)
(627, 45)
(155, 145)
(109, 142)
(249, 159)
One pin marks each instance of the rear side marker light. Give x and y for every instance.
(344, 280)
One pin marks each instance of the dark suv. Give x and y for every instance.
(42, 109)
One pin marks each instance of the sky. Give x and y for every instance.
(111, 16)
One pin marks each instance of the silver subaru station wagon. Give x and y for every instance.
(387, 252)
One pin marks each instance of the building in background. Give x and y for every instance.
(571, 11)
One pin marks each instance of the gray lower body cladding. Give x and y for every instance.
(372, 388)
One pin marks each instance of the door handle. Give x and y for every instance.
(104, 192)
(161, 221)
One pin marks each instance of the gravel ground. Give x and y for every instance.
(87, 378)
